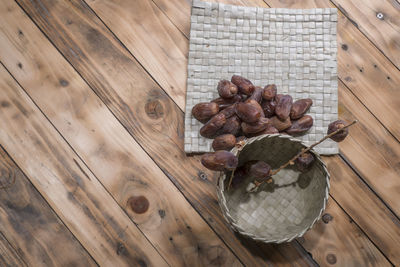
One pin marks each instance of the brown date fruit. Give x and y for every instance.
(204, 111)
(231, 126)
(210, 129)
(283, 107)
(259, 169)
(256, 105)
(250, 128)
(229, 111)
(268, 108)
(278, 97)
(248, 112)
(280, 125)
(300, 107)
(257, 95)
(219, 161)
(244, 85)
(269, 92)
(301, 125)
(224, 142)
(226, 102)
(304, 162)
(226, 89)
(336, 125)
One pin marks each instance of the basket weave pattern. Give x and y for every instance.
(276, 214)
(293, 48)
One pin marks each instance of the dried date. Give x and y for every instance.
(219, 161)
(301, 125)
(300, 107)
(224, 142)
(229, 111)
(210, 129)
(336, 125)
(244, 85)
(226, 89)
(231, 126)
(204, 111)
(283, 107)
(248, 112)
(278, 97)
(257, 95)
(250, 128)
(259, 169)
(268, 108)
(226, 102)
(269, 92)
(304, 162)
(256, 105)
(280, 125)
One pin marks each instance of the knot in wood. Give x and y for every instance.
(139, 204)
(326, 218)
(331, 258)
(154, 109)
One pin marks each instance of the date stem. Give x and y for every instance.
(240, 146)
(304, 150)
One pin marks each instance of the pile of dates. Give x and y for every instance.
(244, 110)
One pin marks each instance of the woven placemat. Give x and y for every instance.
(294, 48)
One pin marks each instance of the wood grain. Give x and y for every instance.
(121, 165)
(154, 36)
(67, 184)
(337, 241)
(383, 31)
(364, 191)
(371, 150)
(370, 214)
(32, 227)
(144, 109)
(8, 255)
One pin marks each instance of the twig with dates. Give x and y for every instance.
(304, 150)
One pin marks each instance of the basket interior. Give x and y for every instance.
(285, 208)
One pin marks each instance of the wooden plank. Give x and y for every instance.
(169, 45)
(371, 150)
(379, 21)
(146, 112)
(122, 166)
(67, 184)
(364, 191)
(370, 214)
(353, 248)
(33, 228)
(8, 255)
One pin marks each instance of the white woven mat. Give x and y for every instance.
(293, 48)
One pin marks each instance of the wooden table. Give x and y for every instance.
(91, 131)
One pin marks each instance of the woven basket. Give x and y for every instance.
(280, 211)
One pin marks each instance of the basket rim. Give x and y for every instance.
(225, 210)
